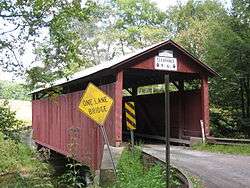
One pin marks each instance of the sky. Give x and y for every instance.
(162, 4)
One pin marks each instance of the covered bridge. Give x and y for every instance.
(57, 122)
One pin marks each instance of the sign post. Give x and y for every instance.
(167, 129)
(107, 142)
(130, 119)
(96, 105)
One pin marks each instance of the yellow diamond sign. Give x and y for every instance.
(95, 104)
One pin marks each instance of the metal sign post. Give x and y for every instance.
(132, 138)
(107, 142)
(167, 129)
(96, 105)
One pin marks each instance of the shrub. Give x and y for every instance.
(8, 123)
(72, 177)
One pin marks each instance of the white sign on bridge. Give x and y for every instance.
(165, 63)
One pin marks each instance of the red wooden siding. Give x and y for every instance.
(185, 114)
(183, 65)
(58, 123)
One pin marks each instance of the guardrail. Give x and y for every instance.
(227, 141)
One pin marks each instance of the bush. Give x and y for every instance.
(9, 125)
(224, 124)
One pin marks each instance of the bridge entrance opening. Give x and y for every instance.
(146, 89)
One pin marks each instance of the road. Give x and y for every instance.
(215, 170)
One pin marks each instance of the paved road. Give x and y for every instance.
(215, 170)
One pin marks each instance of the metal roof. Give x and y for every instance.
(119, 61)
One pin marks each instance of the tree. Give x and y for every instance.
(139, 23)
(9, 90)
(208, 31)
(21, 22)
(77, 42)
(26, 21)
(61, 54)
(241, 26)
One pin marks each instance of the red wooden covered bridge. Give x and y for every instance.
(58, 122)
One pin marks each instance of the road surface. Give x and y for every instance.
(215, 170)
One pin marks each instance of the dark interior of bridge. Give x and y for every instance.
(146, 89)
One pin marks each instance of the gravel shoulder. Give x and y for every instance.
(215, 170)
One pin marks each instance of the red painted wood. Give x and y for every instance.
(184, 64)
(205, 104)
(192, 116)
(60, 126)
(146, 64)
(118, 108)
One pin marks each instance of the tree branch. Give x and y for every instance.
(11, 30)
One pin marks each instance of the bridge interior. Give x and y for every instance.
(146, 89)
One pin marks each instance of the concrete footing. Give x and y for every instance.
(107, 175)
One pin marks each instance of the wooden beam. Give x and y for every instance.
(176, 85)
(181, 109)
(134, 91)
(205, 103)
(130, 92)
(118, 108)
(181, 85)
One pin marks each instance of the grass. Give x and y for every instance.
(132, 173)
(196, 182)
(20, 168)
(243, 149)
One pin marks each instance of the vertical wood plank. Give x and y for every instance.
(118, 108)
(205, 103)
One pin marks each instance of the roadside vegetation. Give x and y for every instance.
(196, 182)
(23, 167)
(15, 91)
(132, 172)
(19, 166)
(243, 149)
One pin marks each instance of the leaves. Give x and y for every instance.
(9, 125)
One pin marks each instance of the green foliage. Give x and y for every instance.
(132, 173)
(72, 176)
(17, 157)
(20, 181)
(243, 149)
(9, 90)
(139, 23)
(8, 122)
(221, 40)
(224, 123)
(196, 182)
(81, 36)
(22, 22)
(19, 166)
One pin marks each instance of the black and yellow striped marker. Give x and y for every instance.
(130, 115)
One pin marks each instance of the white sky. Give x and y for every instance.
(162, 4)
